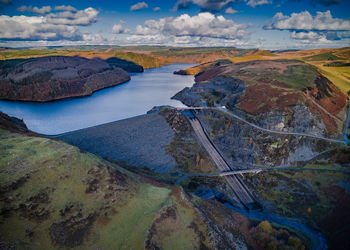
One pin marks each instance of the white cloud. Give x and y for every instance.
(89, 37)
(203, 25)
(32, 28)
(304, 27)
(323, 21)
(35, 10)
(156, 9)
(81, 17)
(229, 10)
(53, 26)
(311, 36)
(186, 41)
(139, 6)
(254, 3)
(117, 29)
(65, 8)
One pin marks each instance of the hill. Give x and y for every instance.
(55, 196)
(268, 102)
(332, 63)
(57, 77)
(146, 56)
(263, 86)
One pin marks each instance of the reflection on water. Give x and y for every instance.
(145, 90)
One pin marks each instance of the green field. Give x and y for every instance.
(322, 57)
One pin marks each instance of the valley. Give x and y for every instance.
(253, 154)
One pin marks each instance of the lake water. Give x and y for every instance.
(145, 90)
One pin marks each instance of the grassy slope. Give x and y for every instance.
(321, 57)
(296, 75)
(54, 195)
(28, 53)
(63, 173)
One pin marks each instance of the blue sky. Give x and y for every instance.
(266, 24)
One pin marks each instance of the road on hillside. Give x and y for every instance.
(226, 111)
(242, 194)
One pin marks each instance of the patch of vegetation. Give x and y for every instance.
(311, 195)
(297, 76)
(26, 53)
(337, 64)
(146, 61)
(322, 57)
(269, 237)
(336, 77)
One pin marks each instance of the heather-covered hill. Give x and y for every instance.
(57, 77)
(260, 87)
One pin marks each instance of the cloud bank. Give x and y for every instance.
(51, 26)
(303, 26)
(35, 10)
(203, 25)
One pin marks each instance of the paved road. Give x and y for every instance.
(226, 111)
(307, 95)
(241, 192)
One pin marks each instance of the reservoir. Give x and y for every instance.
(145, 90)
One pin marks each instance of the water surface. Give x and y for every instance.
(145, 90)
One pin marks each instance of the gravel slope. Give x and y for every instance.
(139, 141)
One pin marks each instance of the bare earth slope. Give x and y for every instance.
(56, 77)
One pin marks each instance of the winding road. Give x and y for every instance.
(226, 111)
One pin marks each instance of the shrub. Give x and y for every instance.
(265, 226)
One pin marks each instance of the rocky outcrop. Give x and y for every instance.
(57, 77)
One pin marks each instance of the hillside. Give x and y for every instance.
(259, 87)
(57, 77)
(146, 56)
(268, 103)
(56, 196)
(333, 63)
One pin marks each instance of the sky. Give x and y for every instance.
(265, 24)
